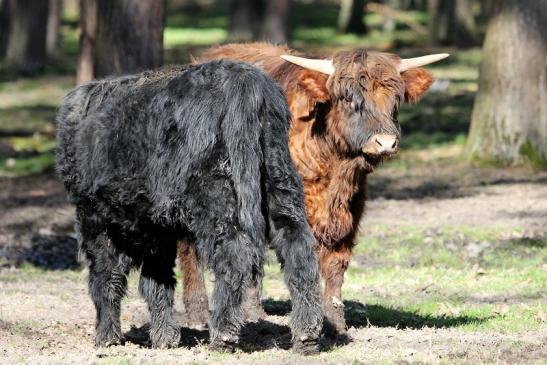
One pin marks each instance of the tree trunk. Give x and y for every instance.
(509, 119)
(275, 26)
(389, 21)
(26, 50)
(487, 8)
(53, 27)
(350, 19)
(88, 27)
(451, 22)
(245, 20)
(4, 26)
(129, 36)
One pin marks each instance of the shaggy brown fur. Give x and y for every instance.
(321, 143)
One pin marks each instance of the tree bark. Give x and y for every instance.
(451, 22)
(350, 19)
(53, 27)
(26, 50)
(245, 20)
(509, 119)
(275, 27)
(129, 36)
(4, 26)
(88, 27)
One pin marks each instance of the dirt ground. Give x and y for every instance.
(46, 315)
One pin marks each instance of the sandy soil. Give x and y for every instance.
(48, 317)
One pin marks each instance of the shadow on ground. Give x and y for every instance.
(358, 316)
(255, 336)
(458, 182)
(264, 335)
(50, 252)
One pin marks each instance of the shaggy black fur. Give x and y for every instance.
(192, 152)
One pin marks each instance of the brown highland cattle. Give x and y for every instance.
(344, 124)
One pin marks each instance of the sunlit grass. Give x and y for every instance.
(414, 278)
(193, 36)
(26, 165)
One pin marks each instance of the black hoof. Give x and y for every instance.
(223, 346)
(167, 337)
(108, 338)
(306, 347)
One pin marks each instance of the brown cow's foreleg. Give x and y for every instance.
(333, 263)
(194, 295)
(253, 306)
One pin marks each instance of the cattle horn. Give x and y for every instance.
(409, 63)
(323, 66)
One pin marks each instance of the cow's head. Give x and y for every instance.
(364, 91)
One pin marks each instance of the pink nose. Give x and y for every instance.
(382, 144)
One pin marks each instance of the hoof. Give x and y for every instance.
(306, 347)
(108, 338)
(223, 346)
(335, 323)
(167, 337)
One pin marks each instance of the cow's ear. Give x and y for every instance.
(315, 85)
(312, 90)
(417, 81)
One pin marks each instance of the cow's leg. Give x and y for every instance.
(294, 248)
(108, 271)
(157, 287)
(253, 306)
(235, 260)
(333, 264)
(194, 294)
(294, 245)
(293, 241)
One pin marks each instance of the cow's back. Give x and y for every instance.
(262, 55)
(137, 141)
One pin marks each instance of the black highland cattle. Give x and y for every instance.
(187, 153)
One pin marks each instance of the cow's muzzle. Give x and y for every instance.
(382, 145)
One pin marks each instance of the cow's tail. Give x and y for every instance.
(242, 134)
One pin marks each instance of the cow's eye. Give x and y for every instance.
(349, 103)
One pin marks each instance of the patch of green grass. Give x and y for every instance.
(35, 143)
(40, 92)
(443, 277)
(476, 279)
(26, 165)
(201, 17)
(29, 272)
(453, 247)
(504, 300)
(313, 25)
(174, 37)
(70, 40)
(27, 118)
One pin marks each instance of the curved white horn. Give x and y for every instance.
(323, 66)
(409, 63)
